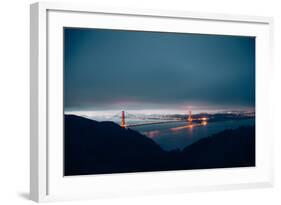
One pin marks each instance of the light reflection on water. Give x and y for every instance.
(152, 134)
(178, 135)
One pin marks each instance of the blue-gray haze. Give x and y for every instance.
(108, 69)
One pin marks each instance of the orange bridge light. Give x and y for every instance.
(190, 117)
(123, 124)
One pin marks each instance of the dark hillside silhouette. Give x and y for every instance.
(105, 147)
(229, 148)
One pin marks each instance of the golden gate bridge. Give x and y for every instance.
(190, 120)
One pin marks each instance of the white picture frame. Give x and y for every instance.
(47, 182)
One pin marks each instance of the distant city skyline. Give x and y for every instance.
(111, 70)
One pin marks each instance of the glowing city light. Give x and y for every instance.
(204, 122)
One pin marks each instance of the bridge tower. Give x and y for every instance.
(189, 116)
(123, 124)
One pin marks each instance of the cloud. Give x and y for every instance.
(140, 69)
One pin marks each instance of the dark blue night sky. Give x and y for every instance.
(113, 69)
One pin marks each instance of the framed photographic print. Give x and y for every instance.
(127, 102)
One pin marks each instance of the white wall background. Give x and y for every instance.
(14, 101)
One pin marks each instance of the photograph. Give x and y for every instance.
(147, 101)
